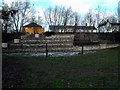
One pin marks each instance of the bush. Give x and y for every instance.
(117, 36)
(49, 33)
(6, 37)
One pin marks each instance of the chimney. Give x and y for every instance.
(86, 24)
(107, 20)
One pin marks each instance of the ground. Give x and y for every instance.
(95, 70)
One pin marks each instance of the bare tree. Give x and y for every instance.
(48, 16)
(54, 15)
(5, 17)
(118, 11)
(98, 19)
(76, 20)
(23, 15)
(67, 16)
(39, 20)
(18, 14)
(89, 19)
(112, 19)
(59, 15)
(7, 13)
(98, 13)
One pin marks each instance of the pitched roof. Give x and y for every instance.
(102, 24)
(33, 25)
(53, 27)
(105, 22)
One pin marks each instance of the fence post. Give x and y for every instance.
(46, 50)
(82, 48)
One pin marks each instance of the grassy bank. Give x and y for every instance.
(98, 70)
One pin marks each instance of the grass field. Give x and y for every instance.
(97, 70)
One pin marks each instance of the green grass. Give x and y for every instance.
(98, 70)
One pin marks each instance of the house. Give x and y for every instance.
(33, 28)
(68, 28)
(107, 26)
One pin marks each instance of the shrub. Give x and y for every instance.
(117, 36)
(49, 33)
(6, 37)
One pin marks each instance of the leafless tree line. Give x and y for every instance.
(60, 15)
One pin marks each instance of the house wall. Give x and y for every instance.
(108, 28)
(32, 30)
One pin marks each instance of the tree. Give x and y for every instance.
(67, 15)
(7, 12)
(59, 15)
(89, 18)
(118, 9)
(54, 15)
(18, 14)
(112, 19)
(15, 15)
(98, 18)
(23, 15)
(76, 19)
(48, 16)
